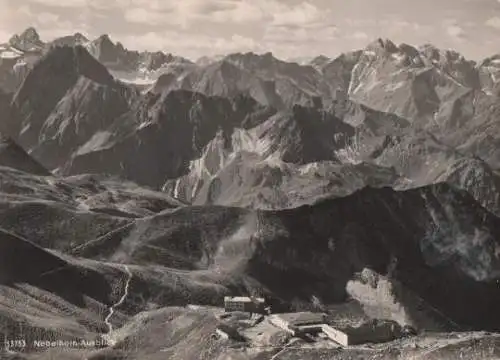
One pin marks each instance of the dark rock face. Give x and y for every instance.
(9, 78)
(48, 82)
(87, 108)
(177, 124)
(5, 107)
(64, 100)
(12, 155)
(41, 272)
(319, 61)
(338, 72)
(418, 228)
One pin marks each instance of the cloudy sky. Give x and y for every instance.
(288, 28)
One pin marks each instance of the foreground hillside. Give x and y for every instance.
(181, 333)
(426, 257)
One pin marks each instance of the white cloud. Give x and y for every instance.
(300, 35)
(46, 18)
(241, 43)
(4, 36)
(282, 26)
(64, 4)
(287, 42)
(192, 45)
(24, 10)
(64, 28)
(397, 25)
(302, 14)
(360, 22)
(494, 22)
(360, 35)
(455, 31)
(186, 12)
(201, 7)
(140, 15)
(81, 4)
(49, 25)
(243, 12)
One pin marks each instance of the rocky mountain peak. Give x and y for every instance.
(119, 46)
(382, 44)
(28, 40)
(251, 59)
(53, 76)
(319, 61)
(30, 34)
(408, 50)
(430, 51)
(80, 37)
(110, 53)
(104, 41)
(77, 60)
(104, 37)
(268, 55)
(443, 55)
(70, 40)
(489, 61)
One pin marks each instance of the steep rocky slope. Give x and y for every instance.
(13, 156)
(79, 98)
(398, 80)
(267, 79)
(17, 57)
(176, 125)
(248, 180)
(288, 159)
(6, 113)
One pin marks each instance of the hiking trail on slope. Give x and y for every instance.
(112, 308)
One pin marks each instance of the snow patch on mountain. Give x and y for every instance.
(9, 53)
(249, 141)
(96, 142)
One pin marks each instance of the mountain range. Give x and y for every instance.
(137, 189)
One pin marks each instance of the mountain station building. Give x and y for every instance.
(244, 304)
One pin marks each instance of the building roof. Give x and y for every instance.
(302, 318)
(243, 299)
(369, 327)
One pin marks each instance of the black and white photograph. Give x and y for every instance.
(249, 180)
